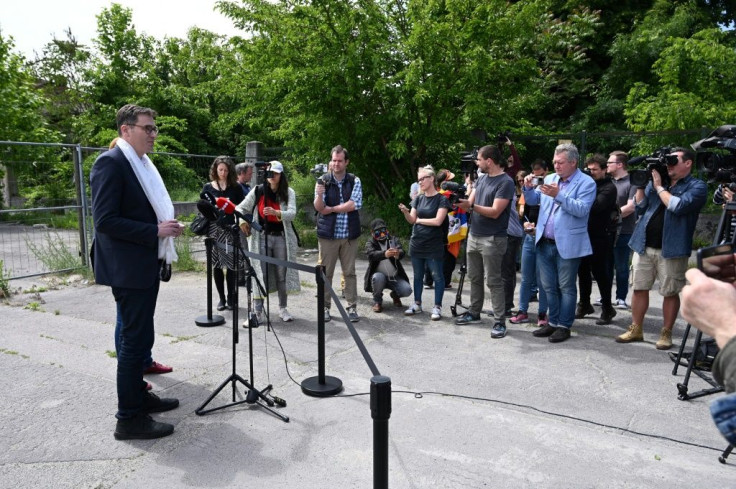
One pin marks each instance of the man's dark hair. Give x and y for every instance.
(621, 157)
(687, 154)
(493, 153)
(340, 149)
(539, 162)
(128, 115)
(597, 159)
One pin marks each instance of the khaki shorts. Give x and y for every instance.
(670, 272)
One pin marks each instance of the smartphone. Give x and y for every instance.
(718, 262)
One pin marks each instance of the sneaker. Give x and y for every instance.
(154, 404)
(353, 315)
(560, 335)
(499, 330)
(158, 368)
(436, 313)
(413, 309)
(377, 307)
(468, 318)
(328, 318)
(284, 315)
(520, 318)
(544, 331)
(429, 286)
(621, 304)
(599, 302)
(542, 319)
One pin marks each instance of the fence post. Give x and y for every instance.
(81, 202)
(380, 412)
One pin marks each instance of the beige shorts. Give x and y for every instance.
(670, 272)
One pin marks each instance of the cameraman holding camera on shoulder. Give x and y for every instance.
(662, 241)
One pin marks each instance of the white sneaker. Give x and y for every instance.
(621, 304)
(599, 302)
(436, 313)
(284, 315)
(413, 309)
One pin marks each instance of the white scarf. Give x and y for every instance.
(155, 190)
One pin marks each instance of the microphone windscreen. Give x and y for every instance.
(208, 197)
(207, 210)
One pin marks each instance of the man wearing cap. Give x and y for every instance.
(338, 226)
(385, 270)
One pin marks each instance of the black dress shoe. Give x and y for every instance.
(154, 404)
(141, 427)
(544, 331)
(560, 335)
(221, 306)
(583, 310)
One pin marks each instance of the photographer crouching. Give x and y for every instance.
(668, 207)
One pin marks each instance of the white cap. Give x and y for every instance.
(276, 166)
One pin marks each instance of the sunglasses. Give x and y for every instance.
(380, 233)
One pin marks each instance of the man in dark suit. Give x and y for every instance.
(134, 231)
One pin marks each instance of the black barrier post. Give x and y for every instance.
(380, 412)
(322, 385)
(209, 319)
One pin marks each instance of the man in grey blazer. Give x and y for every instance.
(561, 238)
(134, 226)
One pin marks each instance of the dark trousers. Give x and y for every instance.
(598, 265)
(508, 270)
(448, 266)
(137, 307)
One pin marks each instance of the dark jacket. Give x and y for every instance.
(125, 246)
(326, 224)
(375, 255)
(601, 222)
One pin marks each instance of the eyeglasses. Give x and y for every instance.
(611, 162)
(149, 129)
(421, 179)
(380, 233)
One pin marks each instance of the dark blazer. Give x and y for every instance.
(125, 245)
(375, 256)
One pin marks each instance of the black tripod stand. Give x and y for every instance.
(253, 395)
(724, 233)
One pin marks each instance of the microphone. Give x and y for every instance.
(227, 206)
(207, 210)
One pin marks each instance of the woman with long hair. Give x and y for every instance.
(428, 214)
(273, 204)
(223, 183)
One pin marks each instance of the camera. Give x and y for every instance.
(467, 162)
(503, 137)
(720, 166)
(659, 160)
(260, 171)
(537, 181)
(321, 173)
(457, 191)
(269, 173)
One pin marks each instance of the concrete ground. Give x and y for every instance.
(467, 411)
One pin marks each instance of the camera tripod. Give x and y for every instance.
(723, 234)
(253, 395)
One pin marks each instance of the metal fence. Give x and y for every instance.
(45, 220)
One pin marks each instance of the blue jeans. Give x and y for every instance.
(119, 338)
(380, 281)
(558, 279)
(435, 266)
(137, 307)
(621, 259)
(529, 273)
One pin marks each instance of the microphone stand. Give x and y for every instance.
(253, 395)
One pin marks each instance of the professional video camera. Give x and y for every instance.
(718, 167)
(260, 168)
(321, 172)
(467, 162)
(659, 160)
(457, 191)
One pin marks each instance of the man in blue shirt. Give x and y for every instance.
(662, 242)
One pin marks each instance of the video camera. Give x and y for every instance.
(260, 170)
(321, 172)
(503, 137)
(718, 167)
(457, 191)
(467, 163)
(659, 160)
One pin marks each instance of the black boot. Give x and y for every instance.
(230, 279)
(141, 427)
(583, 310)
(607, 314)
